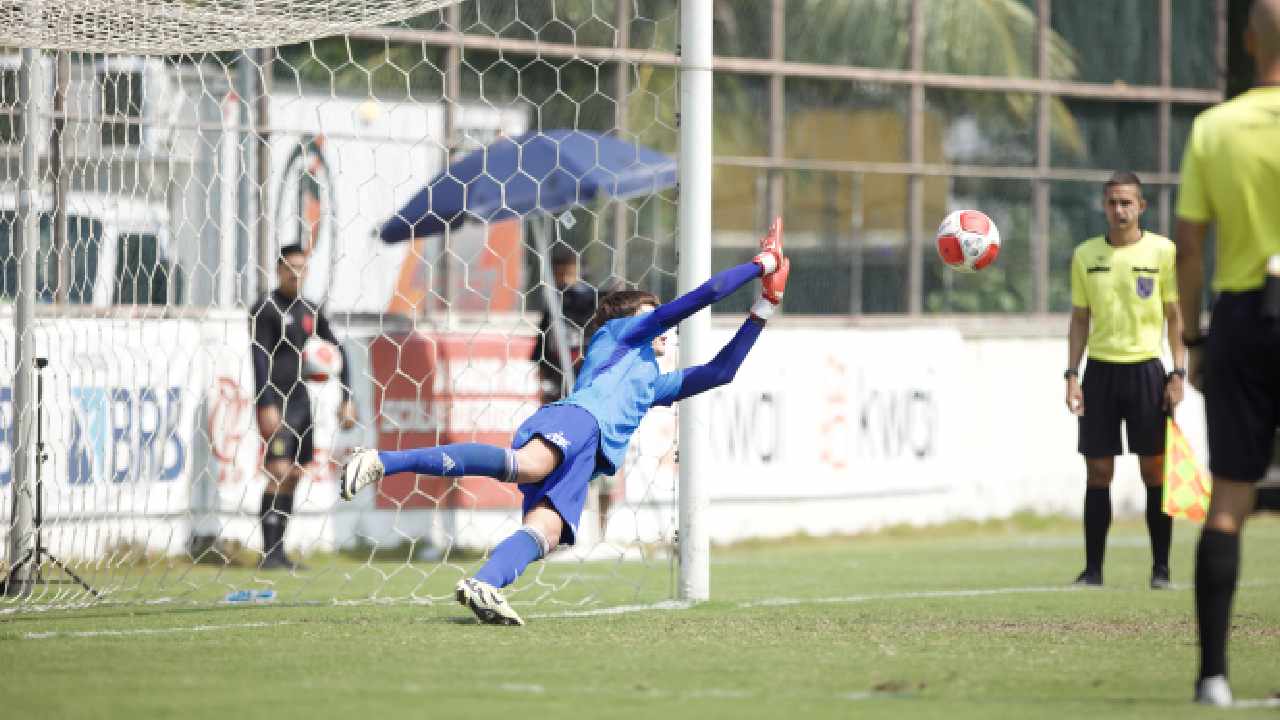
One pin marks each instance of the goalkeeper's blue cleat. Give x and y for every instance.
(486, 602)
(361, 469)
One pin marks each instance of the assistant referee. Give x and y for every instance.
(1231, 177)
(1123, 294)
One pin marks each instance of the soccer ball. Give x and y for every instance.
(968, 241)
(320, 359)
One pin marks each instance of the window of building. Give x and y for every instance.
(121, 107)
(9, 106)
(142, 274)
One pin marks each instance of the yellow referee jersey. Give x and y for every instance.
(1125, 289)
(1231, 175)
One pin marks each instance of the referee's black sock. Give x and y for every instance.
(1159, 527)
(1097, 521)
(1217, 567)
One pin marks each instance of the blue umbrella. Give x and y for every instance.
(538, 171)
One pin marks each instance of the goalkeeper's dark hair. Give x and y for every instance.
(618, 304)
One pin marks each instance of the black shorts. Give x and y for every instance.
(1132, 392)
(1242, 387)
(293, 440)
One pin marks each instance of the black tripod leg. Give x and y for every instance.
(10, 582)
(63, 567)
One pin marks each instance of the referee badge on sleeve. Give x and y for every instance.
(1145, 286)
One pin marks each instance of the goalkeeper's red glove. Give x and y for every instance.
(771, 288)
(770, 256)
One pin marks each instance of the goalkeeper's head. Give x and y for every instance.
(620, 304)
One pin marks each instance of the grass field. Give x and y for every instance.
(959, 622)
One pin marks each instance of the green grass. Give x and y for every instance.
(803, 628)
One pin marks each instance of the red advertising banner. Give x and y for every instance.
(440, 388)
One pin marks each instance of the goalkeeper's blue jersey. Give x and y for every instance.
(618, 383)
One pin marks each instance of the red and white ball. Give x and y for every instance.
(968, 241)
(320, 359)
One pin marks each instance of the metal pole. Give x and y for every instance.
(262, 132)
(246, 193)
(452, 141)
(856, 260)
(227, 166)
(915, 153)
(1040, 188)
(559, 334)
(61, 179)
(1164, 110)
(621, 100)
(694, 267)
(776, 193)
(22, 550)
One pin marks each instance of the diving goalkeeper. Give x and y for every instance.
(561, 447)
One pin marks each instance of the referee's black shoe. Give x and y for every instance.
(1089, 578)
(1160, 577)
(277, 560)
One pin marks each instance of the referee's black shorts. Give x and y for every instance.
(1132, 392)
(293, 441)
(1242, 387)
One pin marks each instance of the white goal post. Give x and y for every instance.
(146, 202)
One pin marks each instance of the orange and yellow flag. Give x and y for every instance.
(1187, 485)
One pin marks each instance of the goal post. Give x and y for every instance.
(695, 268)
(133, 261)
(24, 543)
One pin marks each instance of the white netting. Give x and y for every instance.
(165, 188)
(190, 26)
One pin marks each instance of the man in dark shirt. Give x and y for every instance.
(281, 323)
(577, 305)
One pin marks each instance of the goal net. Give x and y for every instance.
(161, 192)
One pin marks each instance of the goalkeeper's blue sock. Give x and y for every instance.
(453, 461)
(512, 556)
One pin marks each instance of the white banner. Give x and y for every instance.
(841, 413)
(123, 409)
(823, 414)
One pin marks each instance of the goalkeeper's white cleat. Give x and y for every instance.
(1214, 691)
(361, 469)
(487, 602)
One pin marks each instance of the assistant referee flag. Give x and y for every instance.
(1187, 485)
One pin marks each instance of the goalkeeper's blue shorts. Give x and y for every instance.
(577, 434)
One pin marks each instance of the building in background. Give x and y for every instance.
(863, 121)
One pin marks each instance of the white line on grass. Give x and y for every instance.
(919, 594)
(926, 594)
(847, 599)
(523, 688)
(147, 631)
(1271, 702)
(618, 610)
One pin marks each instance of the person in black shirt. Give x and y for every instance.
(280, 324)
(577, 305)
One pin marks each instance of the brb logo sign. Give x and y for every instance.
(117, 434)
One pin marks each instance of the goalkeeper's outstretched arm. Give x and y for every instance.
(668, 315)
(766, 263)
(724, 366)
